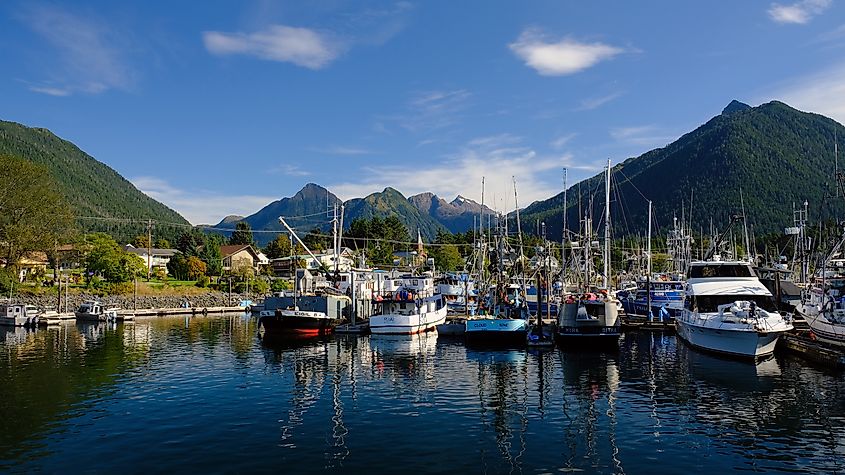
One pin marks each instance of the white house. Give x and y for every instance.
(152, 257)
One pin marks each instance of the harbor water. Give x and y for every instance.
(208, 395)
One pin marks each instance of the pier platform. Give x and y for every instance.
(353, 329)
(194, 311)
(804, 346)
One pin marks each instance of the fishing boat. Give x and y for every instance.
(94, 311)
(407, 305)
(661, 294)
(458, 291)
(19, 315)
(823, 303)
(590, 316)
(504, 318)
(728, 310)
(303, 314)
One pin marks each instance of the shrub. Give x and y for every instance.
(203, 281)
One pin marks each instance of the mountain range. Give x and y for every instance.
(311, 207)
(759, 160)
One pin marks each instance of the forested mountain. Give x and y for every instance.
(311, 208)
(773, 154)
(91, 188)
(391, 202)
(307, 209)
(457, 216)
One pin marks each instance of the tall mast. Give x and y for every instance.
(607, 228)
(745, 228)
(563, 233)
(648, 242)
(648, 266)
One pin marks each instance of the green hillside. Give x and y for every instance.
(774, 154)
(391, 202)
(91, 188)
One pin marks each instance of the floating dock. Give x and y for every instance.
(641, 323)
(56, 318)
(353, 328)
(806, 347)
(195, 311)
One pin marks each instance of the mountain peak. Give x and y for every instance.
(735, 106)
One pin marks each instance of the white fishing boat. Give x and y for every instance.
(728, 310)
(407, 305)
(589, 317)
(94, 311)
(823, 304)
(19, 315)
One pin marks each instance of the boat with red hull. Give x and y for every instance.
(299, 322)
(308, 315)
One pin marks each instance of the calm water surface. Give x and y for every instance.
(207, 395)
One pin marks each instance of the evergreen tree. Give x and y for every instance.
(242, 234)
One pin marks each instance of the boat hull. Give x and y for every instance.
(19, 321)
(298, 323)
(90, 317)
(738, 343)
(826, 331)
(397, 324)
(496, 330)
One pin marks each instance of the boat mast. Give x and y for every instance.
(519, 232)
(648, 265)
(607, 228)
(563, 236)
(745, 229)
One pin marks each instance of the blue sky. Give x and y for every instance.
(220, 107)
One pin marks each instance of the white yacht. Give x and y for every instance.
(728, 310)
(407, 305)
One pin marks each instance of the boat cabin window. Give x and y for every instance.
(711, 303)
(721, 270)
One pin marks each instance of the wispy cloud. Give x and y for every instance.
(341, 150)
(560, 142)
(799, 12)
(50, 91)
(290, 170)
(822, 92)
(592, 103)
(428, 111)
(645, 135)
(89, 53)
(200, 206)
(461, 174)
(561, 57)
(300, 46)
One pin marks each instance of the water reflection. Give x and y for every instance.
(84, 394)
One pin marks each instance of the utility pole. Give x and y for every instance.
(149, 249)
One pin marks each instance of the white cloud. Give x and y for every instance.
(290, 170)
(822, 92)
(561, 141)
(560, 58)
(300, 46)
(799, 13)
(596, 102)
(90, 58)
(644, 135)
(51, 91)
(200, 206)
(538, 177)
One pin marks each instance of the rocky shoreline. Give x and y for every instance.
(210, 299)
